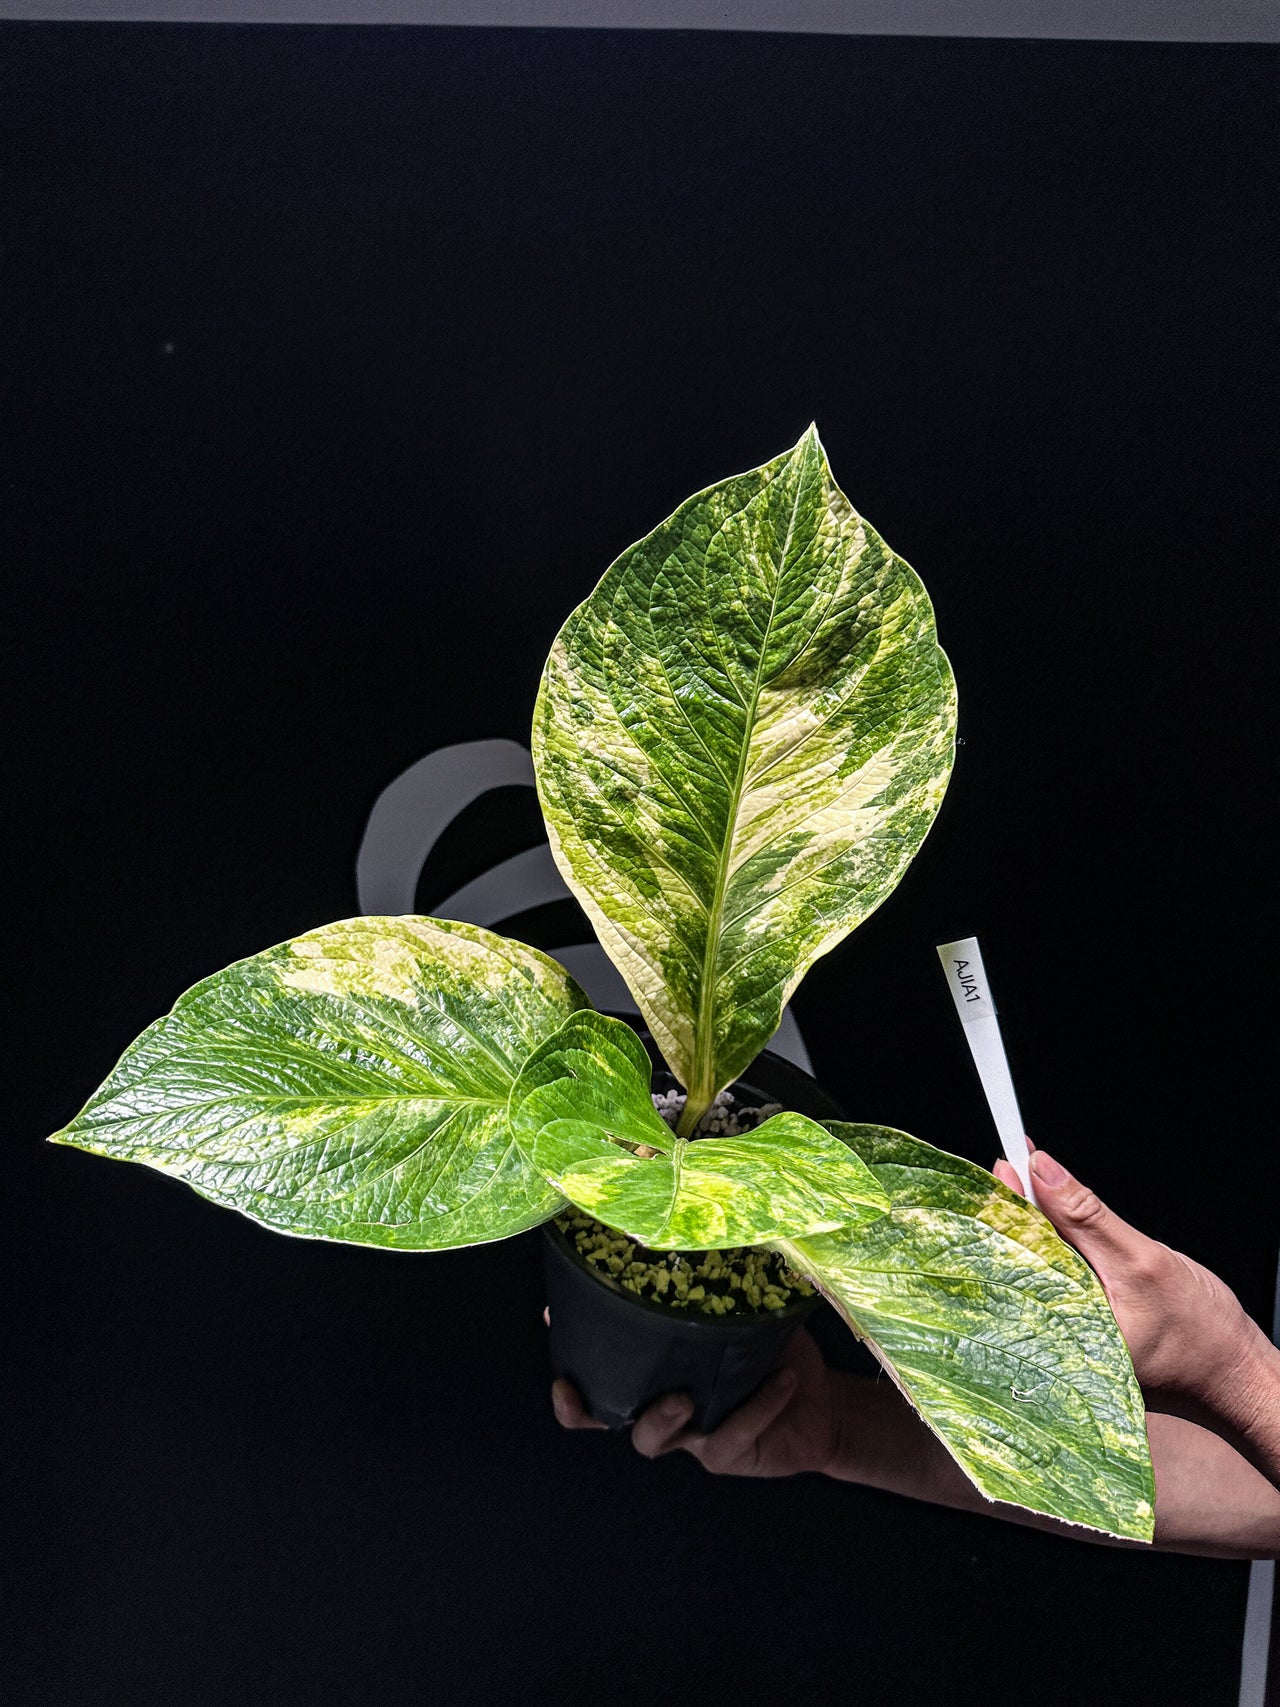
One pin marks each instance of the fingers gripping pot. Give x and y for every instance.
(622, 1351)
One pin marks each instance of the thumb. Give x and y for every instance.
(1081, 1217)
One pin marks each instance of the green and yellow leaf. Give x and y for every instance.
(583, 1113)
(351, 1084)
(741, 739)
(999, 1335)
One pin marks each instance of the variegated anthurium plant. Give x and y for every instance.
(741, 740)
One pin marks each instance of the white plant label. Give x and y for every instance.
(967, 978)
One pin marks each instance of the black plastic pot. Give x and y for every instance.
(622, 1352)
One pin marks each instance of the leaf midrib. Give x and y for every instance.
(265, 1104)
(715, 921)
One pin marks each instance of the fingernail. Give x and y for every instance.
(1030, 1145)
(1046, 1170)
(673, 1407)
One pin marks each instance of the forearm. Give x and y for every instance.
(1247, 1400)
(1208, 1498)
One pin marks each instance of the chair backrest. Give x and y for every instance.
(409, 816)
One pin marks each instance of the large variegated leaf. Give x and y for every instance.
(351, 1084)
(998, 1334)
(583, 1114)
(741, 739)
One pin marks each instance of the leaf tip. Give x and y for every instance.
(810, 449)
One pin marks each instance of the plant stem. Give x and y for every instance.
(694, 1109)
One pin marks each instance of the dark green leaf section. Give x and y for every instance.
(350, 1084)
(583, 1113)
(741, 739)
(997, 1332)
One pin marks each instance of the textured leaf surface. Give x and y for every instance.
(997, 1332)
(741, 739)
(351, 1084)
(585, 1095)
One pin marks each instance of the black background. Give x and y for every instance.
(337, 367)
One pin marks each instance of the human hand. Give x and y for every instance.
(1186, 1331)
(790, 1425)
